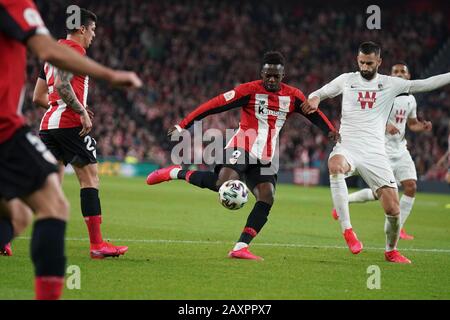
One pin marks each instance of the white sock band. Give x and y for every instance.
(239, 246)
(174, 173)
(361, 196)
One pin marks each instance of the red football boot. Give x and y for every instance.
(405, 236)
(106, 249)
(353, 243)
(160, 175)
(335, 214)
(6, 251)
(243, 253)
(396, 257)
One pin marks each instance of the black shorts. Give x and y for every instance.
(25, 164)
(250, 170)
(67, 146)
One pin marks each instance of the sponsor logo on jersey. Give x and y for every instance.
(400, 115)
(264, 110)
(229, 95)
(367, 99)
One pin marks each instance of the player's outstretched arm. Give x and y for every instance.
(319, 119)
(233, 99)
(330, 90)
(430, 84)
(40, 94)
(63, 57)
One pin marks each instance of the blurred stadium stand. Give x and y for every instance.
(189, 51)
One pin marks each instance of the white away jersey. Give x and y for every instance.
(405, 107)
(366, 105)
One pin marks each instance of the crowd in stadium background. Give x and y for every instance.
(189, 52)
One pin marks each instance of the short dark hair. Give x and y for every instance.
(86, 17)
(273, 57)
(369, 47)
(402, 63)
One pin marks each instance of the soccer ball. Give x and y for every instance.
(233, 194)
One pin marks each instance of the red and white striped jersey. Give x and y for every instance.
(59, 115)
(262, 117)
(19, 21)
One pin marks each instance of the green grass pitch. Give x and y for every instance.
(179, 236)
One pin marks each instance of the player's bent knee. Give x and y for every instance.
(336, 167)
(410, 188)
(269, 199)
(265, 193)
(392, 208)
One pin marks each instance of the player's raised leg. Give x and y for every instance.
(363, 195)
(389, 200)
(338, 166)
(202, 179)
(47, 242)
(264, 193)
(406, 204)
(92, 212)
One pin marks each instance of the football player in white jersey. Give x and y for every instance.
(404, 112)
(367, 99)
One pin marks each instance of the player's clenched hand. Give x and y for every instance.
(334, 136)
(391, 129)
(310, 105)
(86, 123)
(427, 125)
(125, 79)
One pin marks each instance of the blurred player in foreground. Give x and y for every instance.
(28, 171)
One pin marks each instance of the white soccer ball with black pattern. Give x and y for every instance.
(233, 194)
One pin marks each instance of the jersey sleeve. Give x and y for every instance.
(20, 20)
(236, 98)
(318, 118)
(429, 84)
(413, 112)
(400, 85)
(331, 89)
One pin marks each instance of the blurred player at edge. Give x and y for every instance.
(65, 131)
(404, 112)
(367, 99)
(28, 171)
(265, 106)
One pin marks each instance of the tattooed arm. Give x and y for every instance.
(65, 91)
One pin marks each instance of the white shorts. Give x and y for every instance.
(403, 167)
(374, 168)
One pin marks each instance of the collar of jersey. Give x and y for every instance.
(365, 80)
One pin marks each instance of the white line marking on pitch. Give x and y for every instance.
(293, 245)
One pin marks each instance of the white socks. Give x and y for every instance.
(339, 193)
(406, 204)
(174, 173)
(239, 246)
(361, 196)
(392, 229)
